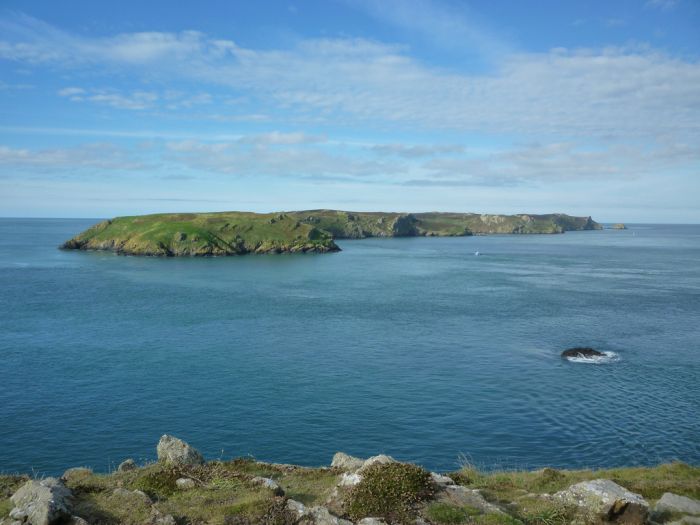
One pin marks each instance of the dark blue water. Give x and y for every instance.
(411, 347)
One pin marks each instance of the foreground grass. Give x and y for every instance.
(224, 493)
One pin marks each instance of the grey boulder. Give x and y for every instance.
(42, 502)
(678, 504)
(126, 465)
(174, 451)
(605, 500)
(346, 462)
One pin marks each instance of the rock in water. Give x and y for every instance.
(174, 451)
(606, 501)
(581, 352)
(42, 502)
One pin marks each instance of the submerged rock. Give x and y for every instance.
(174, 451)
(606, 501)
(42, 502)
(581, 352)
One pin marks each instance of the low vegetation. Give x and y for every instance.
(225, 493)
(237, 233)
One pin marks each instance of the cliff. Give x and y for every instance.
(237, 233)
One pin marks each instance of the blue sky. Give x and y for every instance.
(588, 108)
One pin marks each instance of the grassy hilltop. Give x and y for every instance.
(237, 233)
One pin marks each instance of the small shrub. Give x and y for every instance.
(390, 491)
(158, 482)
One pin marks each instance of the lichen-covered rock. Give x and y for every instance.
(371, 521)
(174, 451)
(296, 508)
(439, 479)
(126, 465)
(268, 483)
(42, 502)
(673, 503)
(346, 462)
(462, 496)
(184, 483)
(381, 459)
(158, 518)
(350, 479)
(75, 473)
(77, 520)
(321, 516)
(605, 500)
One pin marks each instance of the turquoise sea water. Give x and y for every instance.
(413, 347)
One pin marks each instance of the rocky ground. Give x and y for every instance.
(181, 488)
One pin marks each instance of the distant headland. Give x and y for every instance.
(238, 233)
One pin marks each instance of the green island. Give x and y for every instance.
(238, 233)
(182, 488)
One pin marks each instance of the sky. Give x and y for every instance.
(498, 106)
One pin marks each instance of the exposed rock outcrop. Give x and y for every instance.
(343, 461)
(126, 465)
(606, 501)
(42, 502)
(581, 352)
(174, 451)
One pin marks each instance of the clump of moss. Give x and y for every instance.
(158, 482)
(390, 491)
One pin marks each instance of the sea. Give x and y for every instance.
(414, 347)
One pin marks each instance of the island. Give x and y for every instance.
(619, 226)
(238, 233)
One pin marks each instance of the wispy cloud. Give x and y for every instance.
(100, 156)
(454, 27)
(664, 5)
(595, 93)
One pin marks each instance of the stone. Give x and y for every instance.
(349, 479)
(76, 472)
(344, 461)
(607, 501)
(77, 520)
(126, 465)
(184, 483)
(371, 521)
(42, 502)
(158, 518)
(297, 508)
(461, 496)
(381, 459)
(673, 503)
(321, 516)
(268, 483)
(174, 451)
(439, 479)
(133, 498)
(581, 352)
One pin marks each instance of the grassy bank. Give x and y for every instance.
(227, 493)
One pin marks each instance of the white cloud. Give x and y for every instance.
(71, 92)
(664, 5)
(99, 156)
(613, 92)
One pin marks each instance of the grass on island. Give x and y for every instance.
(235, 233)
(224, 493)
